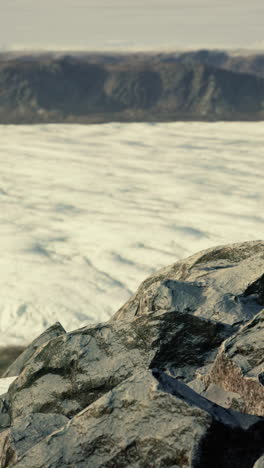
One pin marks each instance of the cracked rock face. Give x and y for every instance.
(71, 371)
(239, 366)
(17, 366)
(27, 432)
(223, 284)
(175, 378)
(148, 405)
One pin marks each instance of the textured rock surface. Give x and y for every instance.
(16, 367)
(165, 424)
(213, 284)
(27, 432)
(176, 378)
(239, 366)
(71, 371)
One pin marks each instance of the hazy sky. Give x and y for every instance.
(131, 24)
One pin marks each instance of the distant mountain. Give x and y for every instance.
(78, 89)
(238, 62)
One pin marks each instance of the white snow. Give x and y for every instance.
(5, 383)
(88, 212)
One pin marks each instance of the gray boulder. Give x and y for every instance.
(220, 284)
(71, 371)
(18, 364)
(27, 432)
(239, 366)
(175, 378)
(150, 421)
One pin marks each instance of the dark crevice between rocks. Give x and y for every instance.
(226, 444)
(256, 289)
(261, 378)
(225, 447)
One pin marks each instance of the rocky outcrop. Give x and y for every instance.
(55, 379)
(15, 368)
(239, 366)
(242, 62)
(26, 433)
(215, 284)
(175, 378)
(148, 420)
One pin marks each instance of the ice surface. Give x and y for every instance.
(88, 212)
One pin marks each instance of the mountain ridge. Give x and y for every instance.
(70, 89)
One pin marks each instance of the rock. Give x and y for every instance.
(18, 364)
(71, 371)
(150, 420)
(27, 432)
(259, 463)
(5, 418)
(213, 284)
(256, 289)
(6, 455)
(227, 399)
(239, 366)
(176, 378)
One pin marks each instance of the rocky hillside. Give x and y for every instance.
(241, 62)
(175, 378)
(76, 89)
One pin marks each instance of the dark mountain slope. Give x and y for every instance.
(69, 89)
(241, 63)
